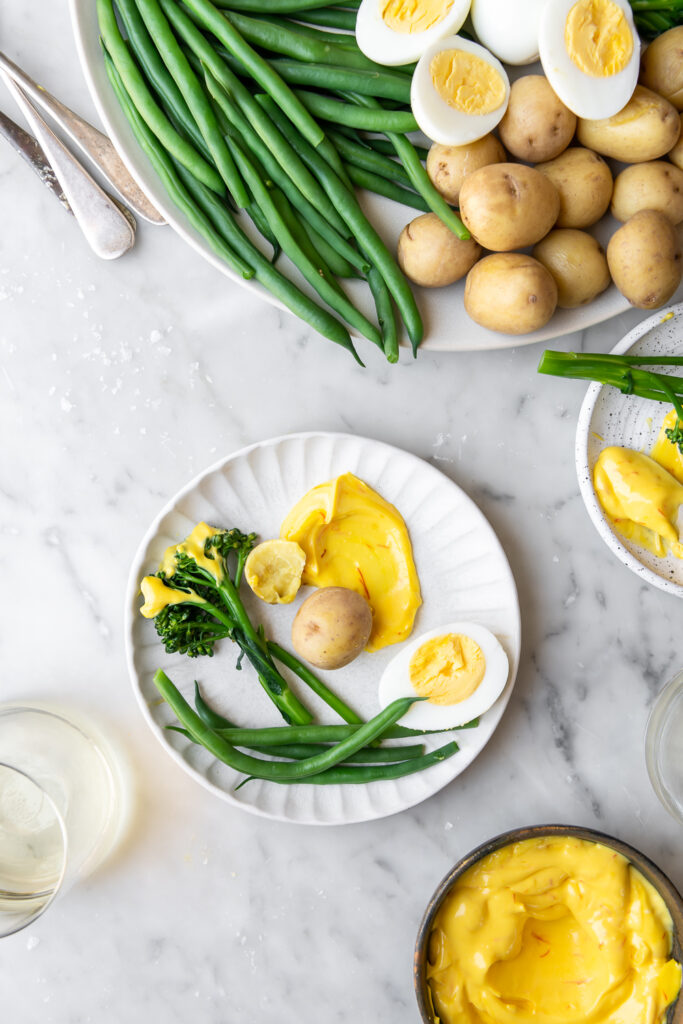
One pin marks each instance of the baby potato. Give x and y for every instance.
(676, 154)
(662, 66)
(644, 259)
(536, 125)
(656, 185)
(577, 263)
(332, 627)
(511, 293)
(448, 166)
(584, 183)
(431, 255)
(645, 129)
(508, 206)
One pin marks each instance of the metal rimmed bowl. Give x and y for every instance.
(650, 871)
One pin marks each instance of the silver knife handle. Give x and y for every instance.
(90, 141)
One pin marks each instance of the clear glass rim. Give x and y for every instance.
(657, 719)
(12, 930)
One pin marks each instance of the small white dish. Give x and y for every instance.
(609, 418)
(664, 746)
(463, 573)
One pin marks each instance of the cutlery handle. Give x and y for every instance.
(27, 147)
(92, 142)
(106, 229)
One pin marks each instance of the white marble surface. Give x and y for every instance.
(118, 382)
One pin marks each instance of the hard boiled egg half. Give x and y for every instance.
(397, 31)
(461, 669)
(590, 52)
(508, 28)
(459, 91)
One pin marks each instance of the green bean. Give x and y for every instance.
(331, 17)
(162, 165)
(277, 770)
(355, 116)
(360, 155)
(263, 227)
(300, 235)
(224, 30)
(368, 239)
(315, 684)
(339, 266)
(146, 105)
(378, 184)
(307, 24)
(336, 299)
(326, 76)
(341, 775)
(276, 6)
(385, 314)
(388, 149)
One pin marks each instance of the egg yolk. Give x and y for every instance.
(466, 82)
(598, 38)
(552, 929)
(408, 16)
(447, 669)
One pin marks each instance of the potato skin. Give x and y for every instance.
(656, 185)
(645, 129)
(508, 206)
(644, 259)
(577, 263)
(448, 166)
(536, 125)
(584, 183)
(431, 255)
(676, 154)
(662, 66)
(332, 627)
(511, 293)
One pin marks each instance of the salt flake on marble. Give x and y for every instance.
(32, 941)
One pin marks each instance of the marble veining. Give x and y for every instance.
(118, 383)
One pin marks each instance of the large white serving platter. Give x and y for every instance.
(447, 326)
(463, 572)
(609, 418)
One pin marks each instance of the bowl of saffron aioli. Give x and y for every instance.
(551, 922)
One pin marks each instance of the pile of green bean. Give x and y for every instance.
(243, 105)
(305, 753)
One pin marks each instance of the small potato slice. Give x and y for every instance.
(508, 206)
(656, 185)
(511, 293)
(536, 125)
(644, 259)
(577, 263)
(332, 627)
(273, 570)
(645, 129)
(584, 183)
(448, 166)
(662, 66)
(431, 255)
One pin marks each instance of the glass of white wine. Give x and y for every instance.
(62, 807)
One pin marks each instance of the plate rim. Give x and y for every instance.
(486, 341)
(131, 610)
(583, 471)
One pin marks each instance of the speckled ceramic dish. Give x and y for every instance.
(609, 418)
(650, 872)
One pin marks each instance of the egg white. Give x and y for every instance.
(586, 95)
(508, 28)
(440, 122)
(395, 681)
(385, 46)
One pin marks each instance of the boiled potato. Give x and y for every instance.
(649, 186)
(332, 627)
(645, 129)
(676, 154)
(431, 255)
(644, 259)
(511, 293)
(577, 263)
(536, 125)
(584, 183)
(448, 166)
(508, 206)
(662, 66)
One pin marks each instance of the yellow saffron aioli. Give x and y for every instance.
(155, 592)
(353, 538)
(408, 16)
(552, 930)
(598, 38)
(466, 82)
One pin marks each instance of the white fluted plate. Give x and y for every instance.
(609, 418)
(463, 572)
